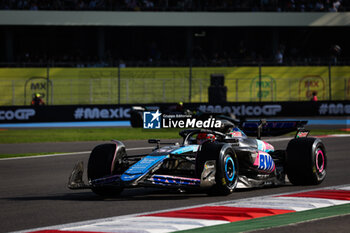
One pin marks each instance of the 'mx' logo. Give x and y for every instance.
(151, 120)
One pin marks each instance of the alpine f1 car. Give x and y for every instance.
(215, 161)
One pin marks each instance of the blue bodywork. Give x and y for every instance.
(143, 166)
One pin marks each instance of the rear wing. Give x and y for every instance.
(302, 133)
(273, 128)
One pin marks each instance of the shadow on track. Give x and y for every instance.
(137, 194)
(141, 194)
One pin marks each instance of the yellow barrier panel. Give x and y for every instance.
(147, 85)
(298, 83)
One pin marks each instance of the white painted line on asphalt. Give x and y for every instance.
(333, 136)
(88, 152)
(71, 153)
(128, 149)
(141, 148)
(321, 136)
(48, 155)
(277, 139)
(147, 148)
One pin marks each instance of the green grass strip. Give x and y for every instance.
(275, 221)
(100, 134)
(318, 132)
(83, 134)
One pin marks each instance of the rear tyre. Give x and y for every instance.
(306, 161)
(226, 176)
(100, 165)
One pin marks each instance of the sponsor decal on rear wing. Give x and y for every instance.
(302, 133)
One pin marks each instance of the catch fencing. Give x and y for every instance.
(85, 86)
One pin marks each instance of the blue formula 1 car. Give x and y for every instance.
(215, 161)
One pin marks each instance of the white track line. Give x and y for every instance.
(146, 148)
(278, 139)
(88, 152)
(71, 153)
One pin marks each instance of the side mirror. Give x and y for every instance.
(154, 141)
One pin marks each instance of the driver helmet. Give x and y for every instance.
(204, 137)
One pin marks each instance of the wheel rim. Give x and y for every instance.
(320, 161)
(229, 168)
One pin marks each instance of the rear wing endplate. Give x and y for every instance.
(302, 133)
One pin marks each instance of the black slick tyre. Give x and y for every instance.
(100, 165)
(306, 161)
(226, 176)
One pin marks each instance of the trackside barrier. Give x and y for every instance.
(72, 113)
(83, 86)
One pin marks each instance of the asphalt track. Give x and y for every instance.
(33, 191)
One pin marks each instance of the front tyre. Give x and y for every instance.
(100, 165)
(227, 173)
(226, 176)
(306, 161)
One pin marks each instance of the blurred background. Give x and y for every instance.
(75, 52)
